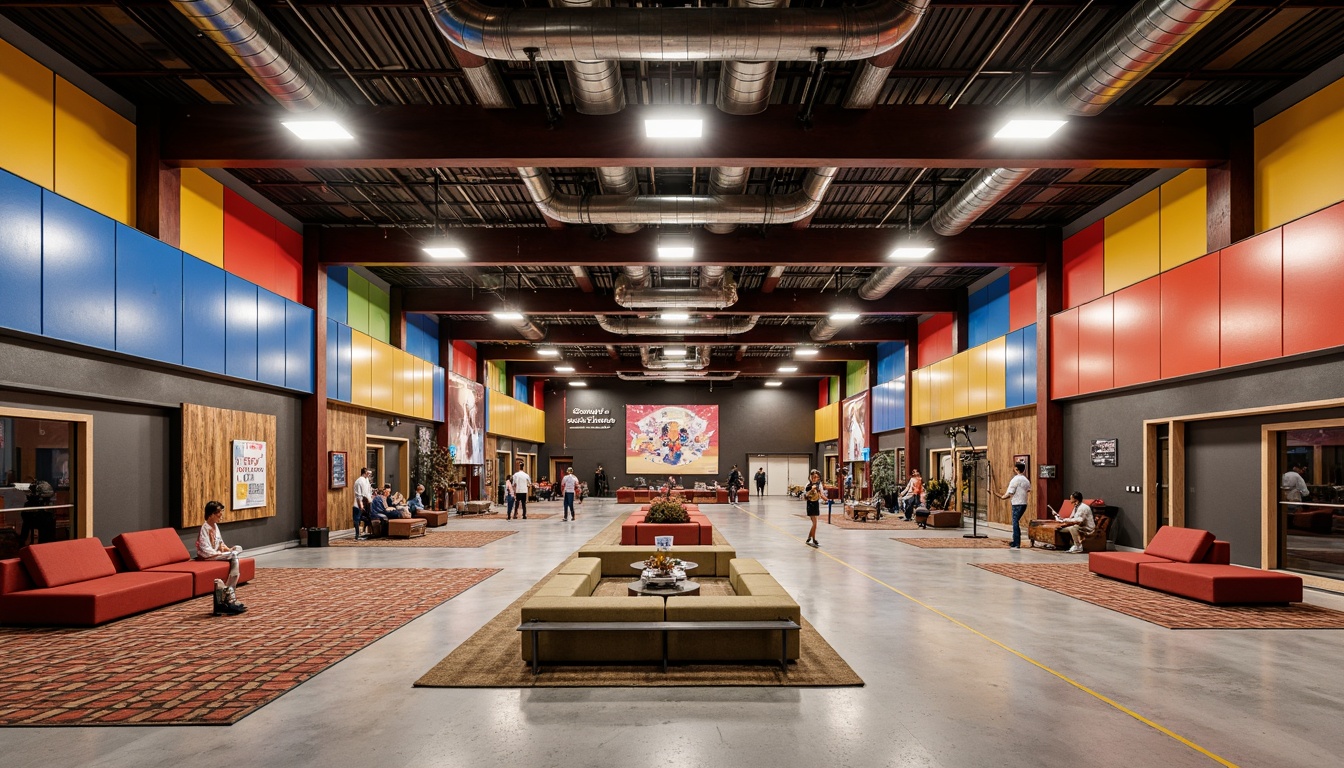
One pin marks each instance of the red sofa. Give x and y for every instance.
(161, 551)
(1190, 563)
(634, 531)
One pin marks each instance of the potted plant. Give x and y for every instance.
(666, 509)
(936, 493)
(883, 471)
(437, 472)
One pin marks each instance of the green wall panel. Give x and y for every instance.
(856, 376)
(359, 303)
(380, 325)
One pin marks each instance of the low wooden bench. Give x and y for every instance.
(480, 507)
(405, 527)
(537, 627)
(432, 517)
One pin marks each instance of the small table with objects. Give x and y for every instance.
(682, 588)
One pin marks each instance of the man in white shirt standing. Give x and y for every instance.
(363, 499)
(1018, 488)
(522, 483)
(569, 486)
(1293, 486)
(1080, 524)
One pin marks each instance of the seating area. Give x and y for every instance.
(81, 582)
(692, 495)
(698, 531)
(1048, 534)
(1189, 562)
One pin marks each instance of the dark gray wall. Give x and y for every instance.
(137, 484)
(752, 420)
(1222, 457)
(935, 438)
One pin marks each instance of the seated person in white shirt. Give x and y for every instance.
(1080, 524)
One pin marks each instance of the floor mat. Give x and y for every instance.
(434, 537)
(944, 542)
(887, 523)
(500, 516)
(179, 665)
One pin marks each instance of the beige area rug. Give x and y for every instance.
(436, 537)
(500, 516)
(943, 542)
(887, 523)
(1076, 581)
(492, 657)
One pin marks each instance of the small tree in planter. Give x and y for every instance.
(936, 493)
(437, 472)
(883, 471)
(665, 509)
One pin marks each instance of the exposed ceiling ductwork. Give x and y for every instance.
(697, 358)
(691, 375)
(528, 329)
(713, 295)
(683, 210)
(879, 284)
(677, 34)
(718, 326)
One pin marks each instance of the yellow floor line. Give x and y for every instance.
(1100, 697)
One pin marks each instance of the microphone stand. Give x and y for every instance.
(975, 485)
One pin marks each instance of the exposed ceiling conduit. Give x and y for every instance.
(717, 296)
(636, 275)
(483, 79)
(528, 329)
(677, 34)
(878, 285)
(744, 86)
(692, 375)
(718, 326)
(694, 361)
(866, 84)
(677, 209)
(727, 180)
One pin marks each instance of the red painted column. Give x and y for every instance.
(313, 463)
(1049, 426)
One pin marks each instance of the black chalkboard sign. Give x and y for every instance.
(1105, 452)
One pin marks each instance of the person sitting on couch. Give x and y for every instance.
(417, 500)
(1080, 524)
(379, 511)
(210, 546)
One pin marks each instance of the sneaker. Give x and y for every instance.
(1075, 549)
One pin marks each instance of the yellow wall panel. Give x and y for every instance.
(27, 91)
(935, 383)
(202, 210)
(996, 374)
(977, 402)
(425, 397)
(1184, 218)
(1133, 243)
(947, 399)
(95, 154)
(361, 369)
(961, 382)
(400, 367)
(382, 375)
(826, 423)
(922, 406)
(1298, 165)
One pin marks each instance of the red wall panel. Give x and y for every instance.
(464, 359)
(1096, 353)
(1064, 354)
(936, 338)
(1021, 297)
(288, 263)
(250, 251)
(1251, 291)
(1190, 317)
(823, 392)
(1138, 333)
(1084, 265)
(538, 394)
(1313, 276)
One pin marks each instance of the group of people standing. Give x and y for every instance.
(518, 485)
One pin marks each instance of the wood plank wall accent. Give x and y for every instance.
(1011, 433)
(207, 460)
(346, 431)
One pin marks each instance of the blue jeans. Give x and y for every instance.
(508, 507)
(1018, 511)
(569, 505)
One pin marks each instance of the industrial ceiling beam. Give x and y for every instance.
(466, 301)
(561, 335)
(603, 366)
(431, 136)
(981, 247)
(528, 353)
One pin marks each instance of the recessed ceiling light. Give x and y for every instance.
(444, 252)
(508, 315)
(788, 369)
(910, 252)
(1029, 129)
(675, 316)
(675, 381)
(844, 317)
(317, 130)
(674, 351)
(564, 369)
(578, 383)
(773, 383)
(675, 364)
(548, 352)
(676, 247)
(806, 352)
(674, 129)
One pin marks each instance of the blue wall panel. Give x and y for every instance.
(997, 309)
(890, 361)
(149, 297)
(438, 393)
(344, 350)
(1028, 364)
(1013, 375)
(333, 360)
(204, 318)
(889, 405)
(431, 338)
(520, 392)
(20, 254)
(79, 273)
(299, 341)
(240, 357)
(270, 338)
(338, 294)
(977, 329)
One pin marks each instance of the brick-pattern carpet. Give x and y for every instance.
(943, 542)
(500, 516)
(887, 523)
(1074, 580)
(436, 537)
(179, 665)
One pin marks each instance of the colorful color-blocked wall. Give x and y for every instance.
(353, 300)
(994, 376)
(508, 417)
(364, 371)
(826, 423)
(889, 393)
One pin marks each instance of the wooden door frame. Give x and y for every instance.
(81, 448)
(555, 474)
(403, 464)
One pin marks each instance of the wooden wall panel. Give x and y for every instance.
(207, 460)
(1011, 433)
(346, 431)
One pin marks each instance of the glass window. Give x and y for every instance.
(36, 483)
(1311, 500)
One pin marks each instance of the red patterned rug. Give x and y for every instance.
(435, 537)
(944, 542)
(1074, 580)
(179, 665)
(887, 523)
(500, 516)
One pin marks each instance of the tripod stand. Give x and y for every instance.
(971, 458)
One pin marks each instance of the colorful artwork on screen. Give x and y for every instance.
(466, 419)
(672, 439)
(854, 427)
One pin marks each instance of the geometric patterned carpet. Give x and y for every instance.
(179, 665)
(957, 543)
(499, 516)
(887, 523)
(1164, 610)
(432, 538)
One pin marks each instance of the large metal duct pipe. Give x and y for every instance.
(483, 79)
(528, 329)
(692, 375)
(877, 285)
(677, 209)
(636, 275)
(727, 180)
(744, 86)
(866, 84)
(718, 326)
(705, 297)
(1137, 45)
(624, 182)
(249, 38)
(697, 361)
(677, 34)
(713, 275)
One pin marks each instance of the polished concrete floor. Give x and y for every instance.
(963, 668)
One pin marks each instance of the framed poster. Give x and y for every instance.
(668, 438)
(854, 428)
(1105, 452)
(1025, 460)
(249, 474)
(337, 463)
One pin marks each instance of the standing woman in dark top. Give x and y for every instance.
(812, 492)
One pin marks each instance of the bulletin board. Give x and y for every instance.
(207, 460)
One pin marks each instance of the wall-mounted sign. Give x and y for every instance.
(249, 474)
(590, 418)
(1105, 452)
(1047, 471)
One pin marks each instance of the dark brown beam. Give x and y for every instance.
(157, 187)
(466, 301)
(939, 5)
(1230, 193)
(528, 353)
(602, 366)
(499, 332)
(420, 136)
(343, 246)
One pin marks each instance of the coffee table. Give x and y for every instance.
(686, 565)
(681, 588)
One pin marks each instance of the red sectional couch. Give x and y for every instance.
(80, 582)
(1190, 563)
(634, 531)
